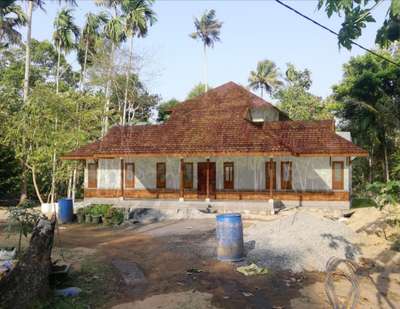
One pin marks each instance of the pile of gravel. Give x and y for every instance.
(300, 241)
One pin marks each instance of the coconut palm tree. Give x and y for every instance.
(266, 77)
(207, 30)
(11, 18)
(90, 34)
(138, 15)
(65, 37)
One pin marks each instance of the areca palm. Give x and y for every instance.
(90, 34)
(207, 29)
(65, 36)
(115, 33)
(11, 18)
(266, 77)
(138, 16)
(31, 5)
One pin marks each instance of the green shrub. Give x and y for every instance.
(114, 216)
(99, 209)
(385, 194)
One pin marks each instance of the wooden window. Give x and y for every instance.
(92, 175)
(129, 175)
(188, 175)
(337, 175)
(267, 175)
(228, 175)
(161, 175)
(286, 175)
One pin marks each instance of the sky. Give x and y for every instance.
(251, 31)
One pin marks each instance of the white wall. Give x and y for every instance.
(308, 173)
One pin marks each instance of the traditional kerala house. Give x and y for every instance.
(227, 144)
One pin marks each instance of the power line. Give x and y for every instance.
(337, 34)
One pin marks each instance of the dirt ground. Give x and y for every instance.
(171, 252)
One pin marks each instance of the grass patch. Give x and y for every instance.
(362, 203)
(97, 282)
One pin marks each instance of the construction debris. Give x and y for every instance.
(68, 292)
(252, 270)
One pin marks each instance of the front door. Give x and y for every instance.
(202, 178)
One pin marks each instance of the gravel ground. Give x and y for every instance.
(300, 241)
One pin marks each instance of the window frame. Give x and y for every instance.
(230, 183)
(267, 168)
(188, 184)
(90, 183)
(287, 185)
(129, 185)
(159, 183)
(334, 182)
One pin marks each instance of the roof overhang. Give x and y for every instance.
(213, 154)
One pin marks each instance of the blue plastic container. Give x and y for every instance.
(230, 237)
(65, 210)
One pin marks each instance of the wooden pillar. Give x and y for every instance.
(271, 178)
(122, 177)
(181, 180)
(208, 180)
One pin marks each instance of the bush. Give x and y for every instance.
(114, 216)
(98, 209)
(384, 194)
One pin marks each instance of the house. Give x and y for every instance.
(227, 144)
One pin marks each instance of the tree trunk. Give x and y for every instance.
(74, 177)
(23, 184)
(108, 92)
(53, 172)
(29, 280)
(83, 73)
(370, 175)
(386, 162)
(24, 177)
(39, 196)
(69, 188)
(28, 50)
(205, 68)
(128, 71)
(58, 66)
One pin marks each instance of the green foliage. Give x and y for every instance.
(370, 110)
(10, 170)
(362, 203)
(98, 209)
(66, 33)
(295, 99)
(22, 219)
(357, 14)
(138, 15)
(165, 108)
(114, 216)
(140, 102)
(207, 28)
(385, 194)
(265, 77)
(11, 18)
(197, 90)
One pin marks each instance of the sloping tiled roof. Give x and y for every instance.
(215, 123)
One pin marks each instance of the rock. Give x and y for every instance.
(130, 272)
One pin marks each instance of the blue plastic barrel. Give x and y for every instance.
(230, 237)
(65, 210)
